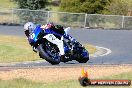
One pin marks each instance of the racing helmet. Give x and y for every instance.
(59, 27)
(29, 26)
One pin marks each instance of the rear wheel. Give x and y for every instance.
(49, 53)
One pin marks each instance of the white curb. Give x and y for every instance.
(100, 52)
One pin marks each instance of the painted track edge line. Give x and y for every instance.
(108, 51)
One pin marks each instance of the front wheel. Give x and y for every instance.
(82, 60)
(83, 56)
(46, 53)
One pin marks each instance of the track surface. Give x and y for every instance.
(119, 41)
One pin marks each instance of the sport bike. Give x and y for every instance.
(50, 52)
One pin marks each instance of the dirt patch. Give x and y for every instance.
(59, 74)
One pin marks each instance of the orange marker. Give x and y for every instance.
(84, 73)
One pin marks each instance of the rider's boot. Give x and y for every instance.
(64, 58)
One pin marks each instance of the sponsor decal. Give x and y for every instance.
(84, 80)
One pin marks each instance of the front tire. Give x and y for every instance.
(44, 55)
(83, 57)
(82, 60)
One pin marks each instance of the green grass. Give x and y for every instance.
(20, 83)
(23, 83)
(92, 49)
(126, 75)
(17, 49)
(75, 83)
(7, 4)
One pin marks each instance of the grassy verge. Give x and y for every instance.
(20, 83)
(17, 49)
(92, 49)
(7, 4)
(23, 83)
(75, 83)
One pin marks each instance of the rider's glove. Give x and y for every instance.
(73, 40)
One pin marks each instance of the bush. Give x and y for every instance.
(28, 15)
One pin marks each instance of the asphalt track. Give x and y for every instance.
(119, 41)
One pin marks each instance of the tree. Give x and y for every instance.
(86, 6)
(31, 4)
(94, 6)
(29, 15)
(70, 5)
(119, 7)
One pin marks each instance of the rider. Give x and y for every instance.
(29, 28)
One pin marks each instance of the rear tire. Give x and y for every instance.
(44, 55)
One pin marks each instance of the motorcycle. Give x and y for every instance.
(50, 52)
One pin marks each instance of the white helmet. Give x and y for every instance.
(29, 26)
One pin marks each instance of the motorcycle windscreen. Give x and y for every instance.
(34, 35)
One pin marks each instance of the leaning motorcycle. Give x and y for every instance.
(50, 51)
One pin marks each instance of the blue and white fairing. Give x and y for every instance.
(34, 36)
(35, 33)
